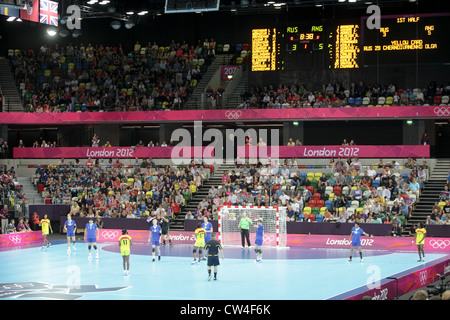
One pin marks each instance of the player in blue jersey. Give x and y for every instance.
(355, 238)
(70, 227)
(155, 239)
(259, 240)
(91, 234)
(209, 229)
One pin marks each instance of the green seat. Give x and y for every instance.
(314, 183)
(315, 211)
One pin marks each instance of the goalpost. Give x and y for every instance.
(273, 220)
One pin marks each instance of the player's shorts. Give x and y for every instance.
(125, 252)
(213, 261)
(45, 233)
(70, 234)
(207, 239)
(156, 243)
(356, 243)
(91, 240)
(258, 242)
(199, 244)
(164, 231)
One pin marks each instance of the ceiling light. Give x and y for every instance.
(129, 24)
(76, 33)
(51, 32)
(10, 19)
(115, 25)
(130, 13)
(64, 33)
(142, 13)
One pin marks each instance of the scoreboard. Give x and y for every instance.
(401, 40)
(407, 39)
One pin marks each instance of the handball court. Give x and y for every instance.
(293, 273)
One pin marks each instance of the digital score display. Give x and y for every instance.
(304, 39)
(265, 49)
(346, 47)
(401, 40)
(407, 39)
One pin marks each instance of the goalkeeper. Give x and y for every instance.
(244, 225)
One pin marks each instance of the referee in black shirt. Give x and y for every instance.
(213, 246)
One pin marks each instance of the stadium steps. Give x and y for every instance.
(234, 99)
(32, 195)
(195, 100)
(202, 192)
(11, 98)
(430, 193)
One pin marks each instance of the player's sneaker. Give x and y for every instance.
(90, 257)
(159, 258)
(203, 259)
(68, 250)
(74, 249)
(209, 277)
(362, 261)
(349, 260)
(96, 255)
(215, 278)
(153, 260)
(194, 262)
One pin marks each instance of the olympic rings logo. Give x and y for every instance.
(110, 235)
(15, 238)
(269, 238)
(423, 276)
(233, 115)
(442, 111)
(439, 244)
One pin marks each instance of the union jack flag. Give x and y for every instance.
(48, 12)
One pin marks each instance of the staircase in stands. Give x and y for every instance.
(30, 191)
(214, 180)
(11, 98)
(430, 193)
(195, 100)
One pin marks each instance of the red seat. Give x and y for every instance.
(48, 201)
(320, 203)
(312, 203)
(311, 189)
(337, 190)
(312, 218)
(316, 196)
(40, 187)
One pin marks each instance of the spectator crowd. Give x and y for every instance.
(90, 77)
(359, 94)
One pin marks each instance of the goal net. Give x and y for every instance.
(273, 220)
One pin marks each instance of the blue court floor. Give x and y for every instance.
(285, 274)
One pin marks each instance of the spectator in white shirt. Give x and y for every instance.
(371, 172)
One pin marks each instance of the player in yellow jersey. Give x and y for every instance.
(419, 236)
(46, 227)
(199, 243)
(125, 243)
